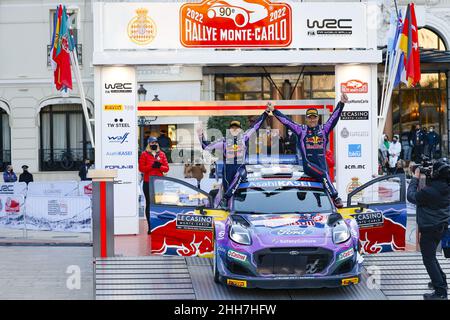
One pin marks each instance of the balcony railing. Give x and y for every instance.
(79, 54)
(63, 159)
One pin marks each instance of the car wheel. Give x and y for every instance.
(215, 271)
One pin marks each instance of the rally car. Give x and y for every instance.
(282, 229)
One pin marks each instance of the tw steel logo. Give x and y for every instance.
(329, 27)
(236, 24)
(354, 86)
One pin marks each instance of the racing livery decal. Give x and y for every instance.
(236, 23)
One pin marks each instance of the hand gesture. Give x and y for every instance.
(344, 98)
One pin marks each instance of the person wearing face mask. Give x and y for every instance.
(290, 143)
(395, 149)
(234, 148)
(9, 175)
(418, 143)
(432, 142)
(312, 141)
(152, 162)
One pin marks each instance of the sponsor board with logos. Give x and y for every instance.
(13, 188)
(232, 23)
(194, 222)
(118, 134)
(355, 165)
(369, 219)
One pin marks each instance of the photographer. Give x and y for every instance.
(433, 215)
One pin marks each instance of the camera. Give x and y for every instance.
(425, 166)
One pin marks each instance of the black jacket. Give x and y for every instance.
(433, 203)
(83, 172)
(26, 177)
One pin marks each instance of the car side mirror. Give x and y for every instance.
(333, 218)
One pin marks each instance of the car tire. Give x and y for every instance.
(215, 271)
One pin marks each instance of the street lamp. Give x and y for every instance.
(142, 93)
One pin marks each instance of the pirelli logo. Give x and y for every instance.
(113, 107)
(349, 281)
(237, 283)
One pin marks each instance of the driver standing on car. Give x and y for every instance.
(234, 148)
(312, 141)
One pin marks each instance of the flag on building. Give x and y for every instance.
(409, 44)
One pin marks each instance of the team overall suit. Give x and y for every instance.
(312, 142)
(234, 150)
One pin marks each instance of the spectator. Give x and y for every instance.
(290, 143)
(152, 162)
(394, 153)
(399, 167)
(165, 143)
(82, 173)
(25, 176)
(9, 175)
(432, 140)
(406, 146)
(384, 153)
(418, 143)
(197, 171)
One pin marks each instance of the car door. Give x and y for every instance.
(181, 218)
(379, 207)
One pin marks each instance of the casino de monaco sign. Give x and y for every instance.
(233, 24)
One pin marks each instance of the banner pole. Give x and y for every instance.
(76, 71)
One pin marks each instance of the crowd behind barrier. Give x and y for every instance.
(47, 206)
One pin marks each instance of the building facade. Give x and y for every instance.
(45, 129)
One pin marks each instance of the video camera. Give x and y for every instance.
(425, 166)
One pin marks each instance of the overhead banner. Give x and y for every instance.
(232, 24)
(71, 214)
(354, 161)
(119, 139)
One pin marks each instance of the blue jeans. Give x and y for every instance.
(407, 152)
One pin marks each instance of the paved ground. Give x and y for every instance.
(41, 272)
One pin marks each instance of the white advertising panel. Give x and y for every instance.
(12, 209)
(85, 188)
(13, 188)
(119, 141)
(354, 161)
(232, 24)
(71, 214)
(56, 188)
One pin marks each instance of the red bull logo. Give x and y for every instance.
(391, 233)
(314, 140)
(183, 242)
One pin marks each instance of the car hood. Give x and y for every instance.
(290, 229)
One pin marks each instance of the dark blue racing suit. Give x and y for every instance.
(234, 156)
(312, 143)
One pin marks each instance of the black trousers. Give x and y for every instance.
(146, 189)
(429, 241)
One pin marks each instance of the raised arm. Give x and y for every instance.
(255, 126)
(332, 121)
(295, 127)
(218, 144)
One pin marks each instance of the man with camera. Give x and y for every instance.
(433, 216)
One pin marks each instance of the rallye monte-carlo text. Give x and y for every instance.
(282, 229)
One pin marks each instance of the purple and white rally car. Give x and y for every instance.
(282, 230)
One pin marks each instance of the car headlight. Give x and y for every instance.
(240, 234)
(341, 233)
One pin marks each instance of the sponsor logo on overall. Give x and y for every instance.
(142, 29)
(119, 139)
(236, 23)
(354, 150)
(346, 254)
(329, 27)
(355, 115)
(354, 86)
(118, 123)
(119, 87)
(237, 255)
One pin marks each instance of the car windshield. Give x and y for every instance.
(281, 200)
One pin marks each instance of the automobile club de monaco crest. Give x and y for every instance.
(236, 23)
(141, 29)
